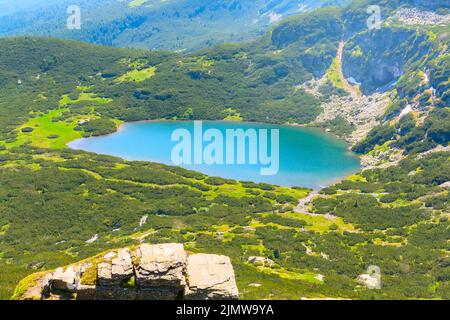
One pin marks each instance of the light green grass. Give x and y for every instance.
(232, 190)
(232, 115)
(290, 275)
(3, 229)
(136, 3)
(201, 63)
(254, 247)
(237, 190)
(84, 96)
(333, 74)
(320, 224)
(357, 178)
(84, 88)
(357, 52)
(137, 75)
(43, 127)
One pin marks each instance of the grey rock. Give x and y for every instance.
(151, 272)
(40, 289)
(122, 266)
(210, 277)
(371, 281)
(104, 274)
(65, 280)
(161, 265)
(119, 268)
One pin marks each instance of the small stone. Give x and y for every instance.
(320, 277)
(143, 220)
(256, 285)
(445, 185)
(93, 239)
(371, 282)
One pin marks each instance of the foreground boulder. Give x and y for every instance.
(148, 272)
(161, 265)
(210, 277)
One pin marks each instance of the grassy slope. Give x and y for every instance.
(54, 200)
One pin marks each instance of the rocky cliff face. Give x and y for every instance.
(376, 59)
(310, 40)
(148, 272)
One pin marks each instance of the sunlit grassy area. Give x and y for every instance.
(137, 75)
(357, 177)
(321, 224)
(84, 96)
(232, 115)
(136, 3)
(333, 74)
(47, 133)
(238, 190)
(290, 275)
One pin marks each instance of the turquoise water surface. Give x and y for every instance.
(307, 157)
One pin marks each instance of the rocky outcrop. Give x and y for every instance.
(376, 58)
(148, 272)
(415, 16)
(160, 266)
(360, 111)
(370, 281)
(119, 269)
(210, 277)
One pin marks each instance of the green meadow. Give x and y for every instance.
(137, 75)
(47, 132)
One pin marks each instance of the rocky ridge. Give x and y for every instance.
(148, 272)
(414, 16)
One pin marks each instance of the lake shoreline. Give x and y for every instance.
(320, 134)
(292, 125)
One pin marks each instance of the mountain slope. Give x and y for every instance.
(59, 206)
(153, 24)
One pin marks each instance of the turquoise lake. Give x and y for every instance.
(307, 157)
